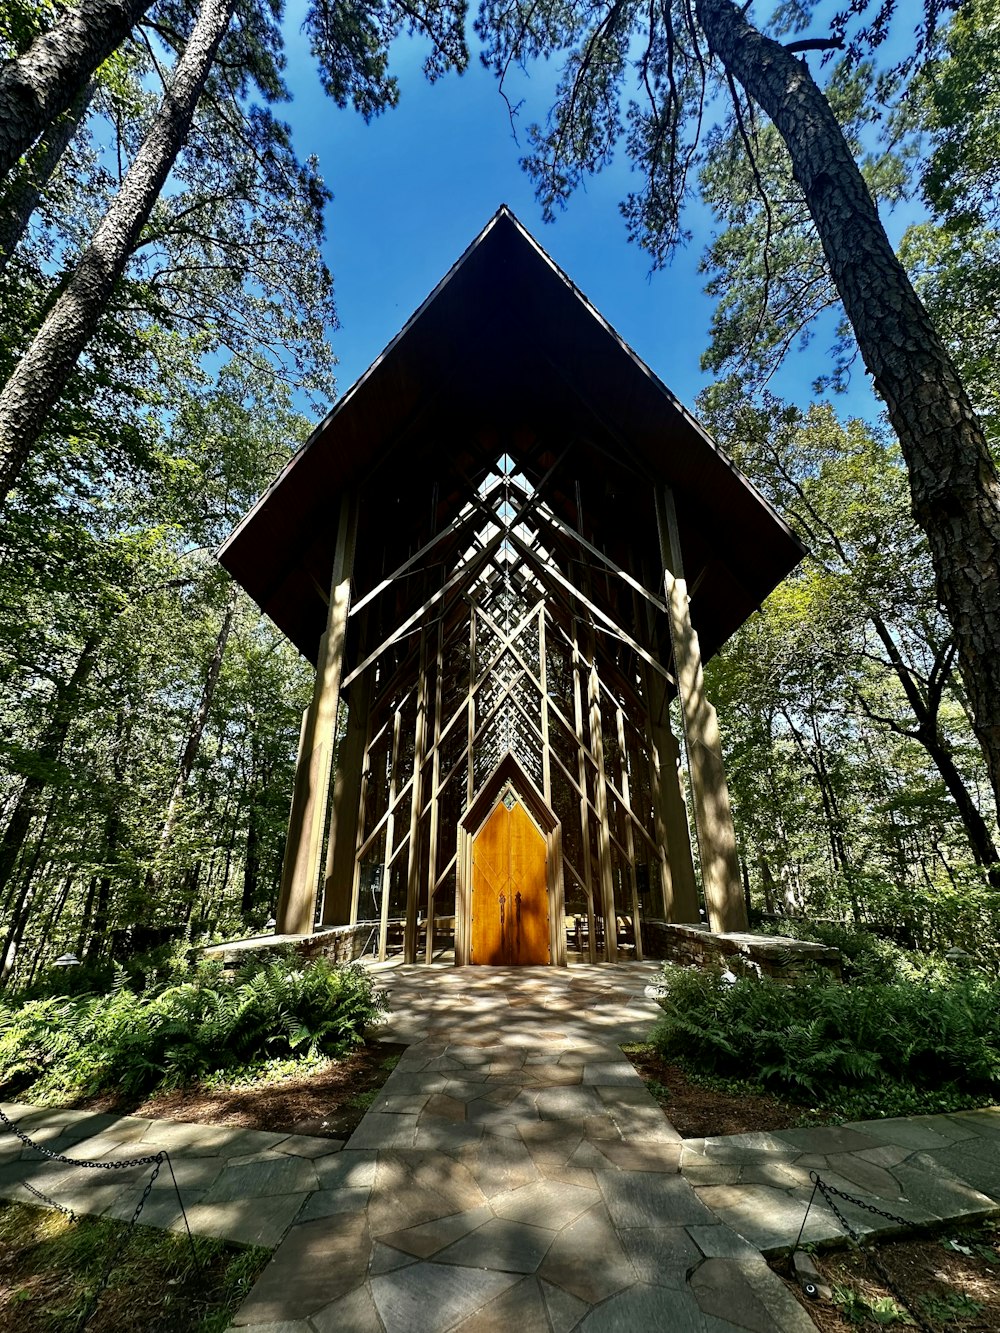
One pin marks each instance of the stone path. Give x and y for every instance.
(926, 1169)
(515, 1174)
(514, 1171)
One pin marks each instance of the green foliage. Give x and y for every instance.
(856, 1309)
(63, 1047)
(864, 957)
(867, 1049)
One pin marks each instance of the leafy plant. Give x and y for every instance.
(866, 1049)
(164, 1038)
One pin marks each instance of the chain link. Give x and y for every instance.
(155, 1160)
(116, 1165)
(869, 1255)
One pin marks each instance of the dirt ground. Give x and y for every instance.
(696, 1111)
(328, 1102)
(950, 1281)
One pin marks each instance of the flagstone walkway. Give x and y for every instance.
(514, 1172)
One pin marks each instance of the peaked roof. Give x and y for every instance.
(503, 329)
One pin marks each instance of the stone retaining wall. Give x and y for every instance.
(761, 955)
(338, 944)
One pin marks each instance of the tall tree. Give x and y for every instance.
(45, 80)
(955, 491)
(45, 369)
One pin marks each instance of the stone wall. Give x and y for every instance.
(338, 944)
(760, 955)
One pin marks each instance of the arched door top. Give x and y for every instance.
(531, 807)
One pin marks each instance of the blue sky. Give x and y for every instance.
(414, 187)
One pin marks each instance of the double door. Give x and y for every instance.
(510, 900)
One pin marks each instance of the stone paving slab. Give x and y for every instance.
(924, 1169)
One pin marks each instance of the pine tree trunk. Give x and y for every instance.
(24, 190)
(46, 367)
(45, 81)
(954, 487)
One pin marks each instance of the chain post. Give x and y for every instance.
(868, 1254)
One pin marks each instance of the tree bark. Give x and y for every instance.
(954, 488)
(45, 81)
(46, 367)
(196, 728)
(46, 752)
(25, 190)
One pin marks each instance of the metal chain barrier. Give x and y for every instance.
(870, 1257)
(155, 1160)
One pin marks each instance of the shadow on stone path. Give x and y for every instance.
(515, 1174)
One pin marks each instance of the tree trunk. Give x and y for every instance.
(46, 753)
(46, 367)
(45, 81)
(24, 191)
(196, 729)
(954, 487)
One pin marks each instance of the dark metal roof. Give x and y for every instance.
(503, 336)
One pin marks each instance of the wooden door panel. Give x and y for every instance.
(510, 901)
(529, 889)
(490, 884)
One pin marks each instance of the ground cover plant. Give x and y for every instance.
(866, 1049)
(167, 1036)
(50, 1266)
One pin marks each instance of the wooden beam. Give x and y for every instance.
(603, 827)
(416, 802)
(343, 838)
(300, 872)
(720, 870)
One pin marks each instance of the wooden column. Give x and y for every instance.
(435, 817)
(345, 812)
(623, 781)
(720, 870)
(673, 833)
(584, 802)
(603, 829)
(543, 678)
(416, 807)
(390, 833)
(300, 873)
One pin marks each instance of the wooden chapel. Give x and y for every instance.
(506, 550)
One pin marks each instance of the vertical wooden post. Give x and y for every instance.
(588, 875)
(603, 830)
(470, 786)
(673, 833)
(435, 818)
(629, 833)
(416, 806)
(390, 833)
(345, 812)
(366, 777)
(300, 872)
(543, 677)
(720, 870)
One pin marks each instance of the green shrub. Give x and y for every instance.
(164, 1038)
(865, 1048)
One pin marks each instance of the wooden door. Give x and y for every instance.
(510, 900)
